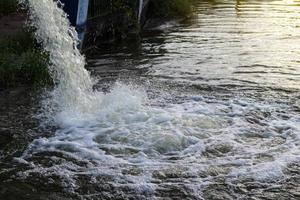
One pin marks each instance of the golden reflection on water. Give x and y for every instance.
(240, 42)
(290, 1)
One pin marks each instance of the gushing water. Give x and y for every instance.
(73, 84)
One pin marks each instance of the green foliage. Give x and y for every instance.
(172, 8)
(8, 6)
(21, 61)
(123, 19)
(123, 7)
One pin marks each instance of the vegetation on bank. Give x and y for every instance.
(124, 19)
(21, 59)
(172, 8)
(22, 62)
(8, 6)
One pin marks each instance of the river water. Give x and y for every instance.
(205, 108)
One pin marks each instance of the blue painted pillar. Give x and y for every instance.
(77, 11)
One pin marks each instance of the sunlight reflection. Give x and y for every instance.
(291, 1)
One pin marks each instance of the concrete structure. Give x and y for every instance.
(90, 17)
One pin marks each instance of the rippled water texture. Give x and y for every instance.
(205, 108)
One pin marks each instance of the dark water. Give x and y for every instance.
(224, 90)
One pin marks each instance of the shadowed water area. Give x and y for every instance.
(205, 108)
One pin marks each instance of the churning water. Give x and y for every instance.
(214, 111)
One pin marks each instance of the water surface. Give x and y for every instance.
(205, 108)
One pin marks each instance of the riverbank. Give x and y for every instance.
(171, 8)
(22, 62)
(12, 24)
(7, 7)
